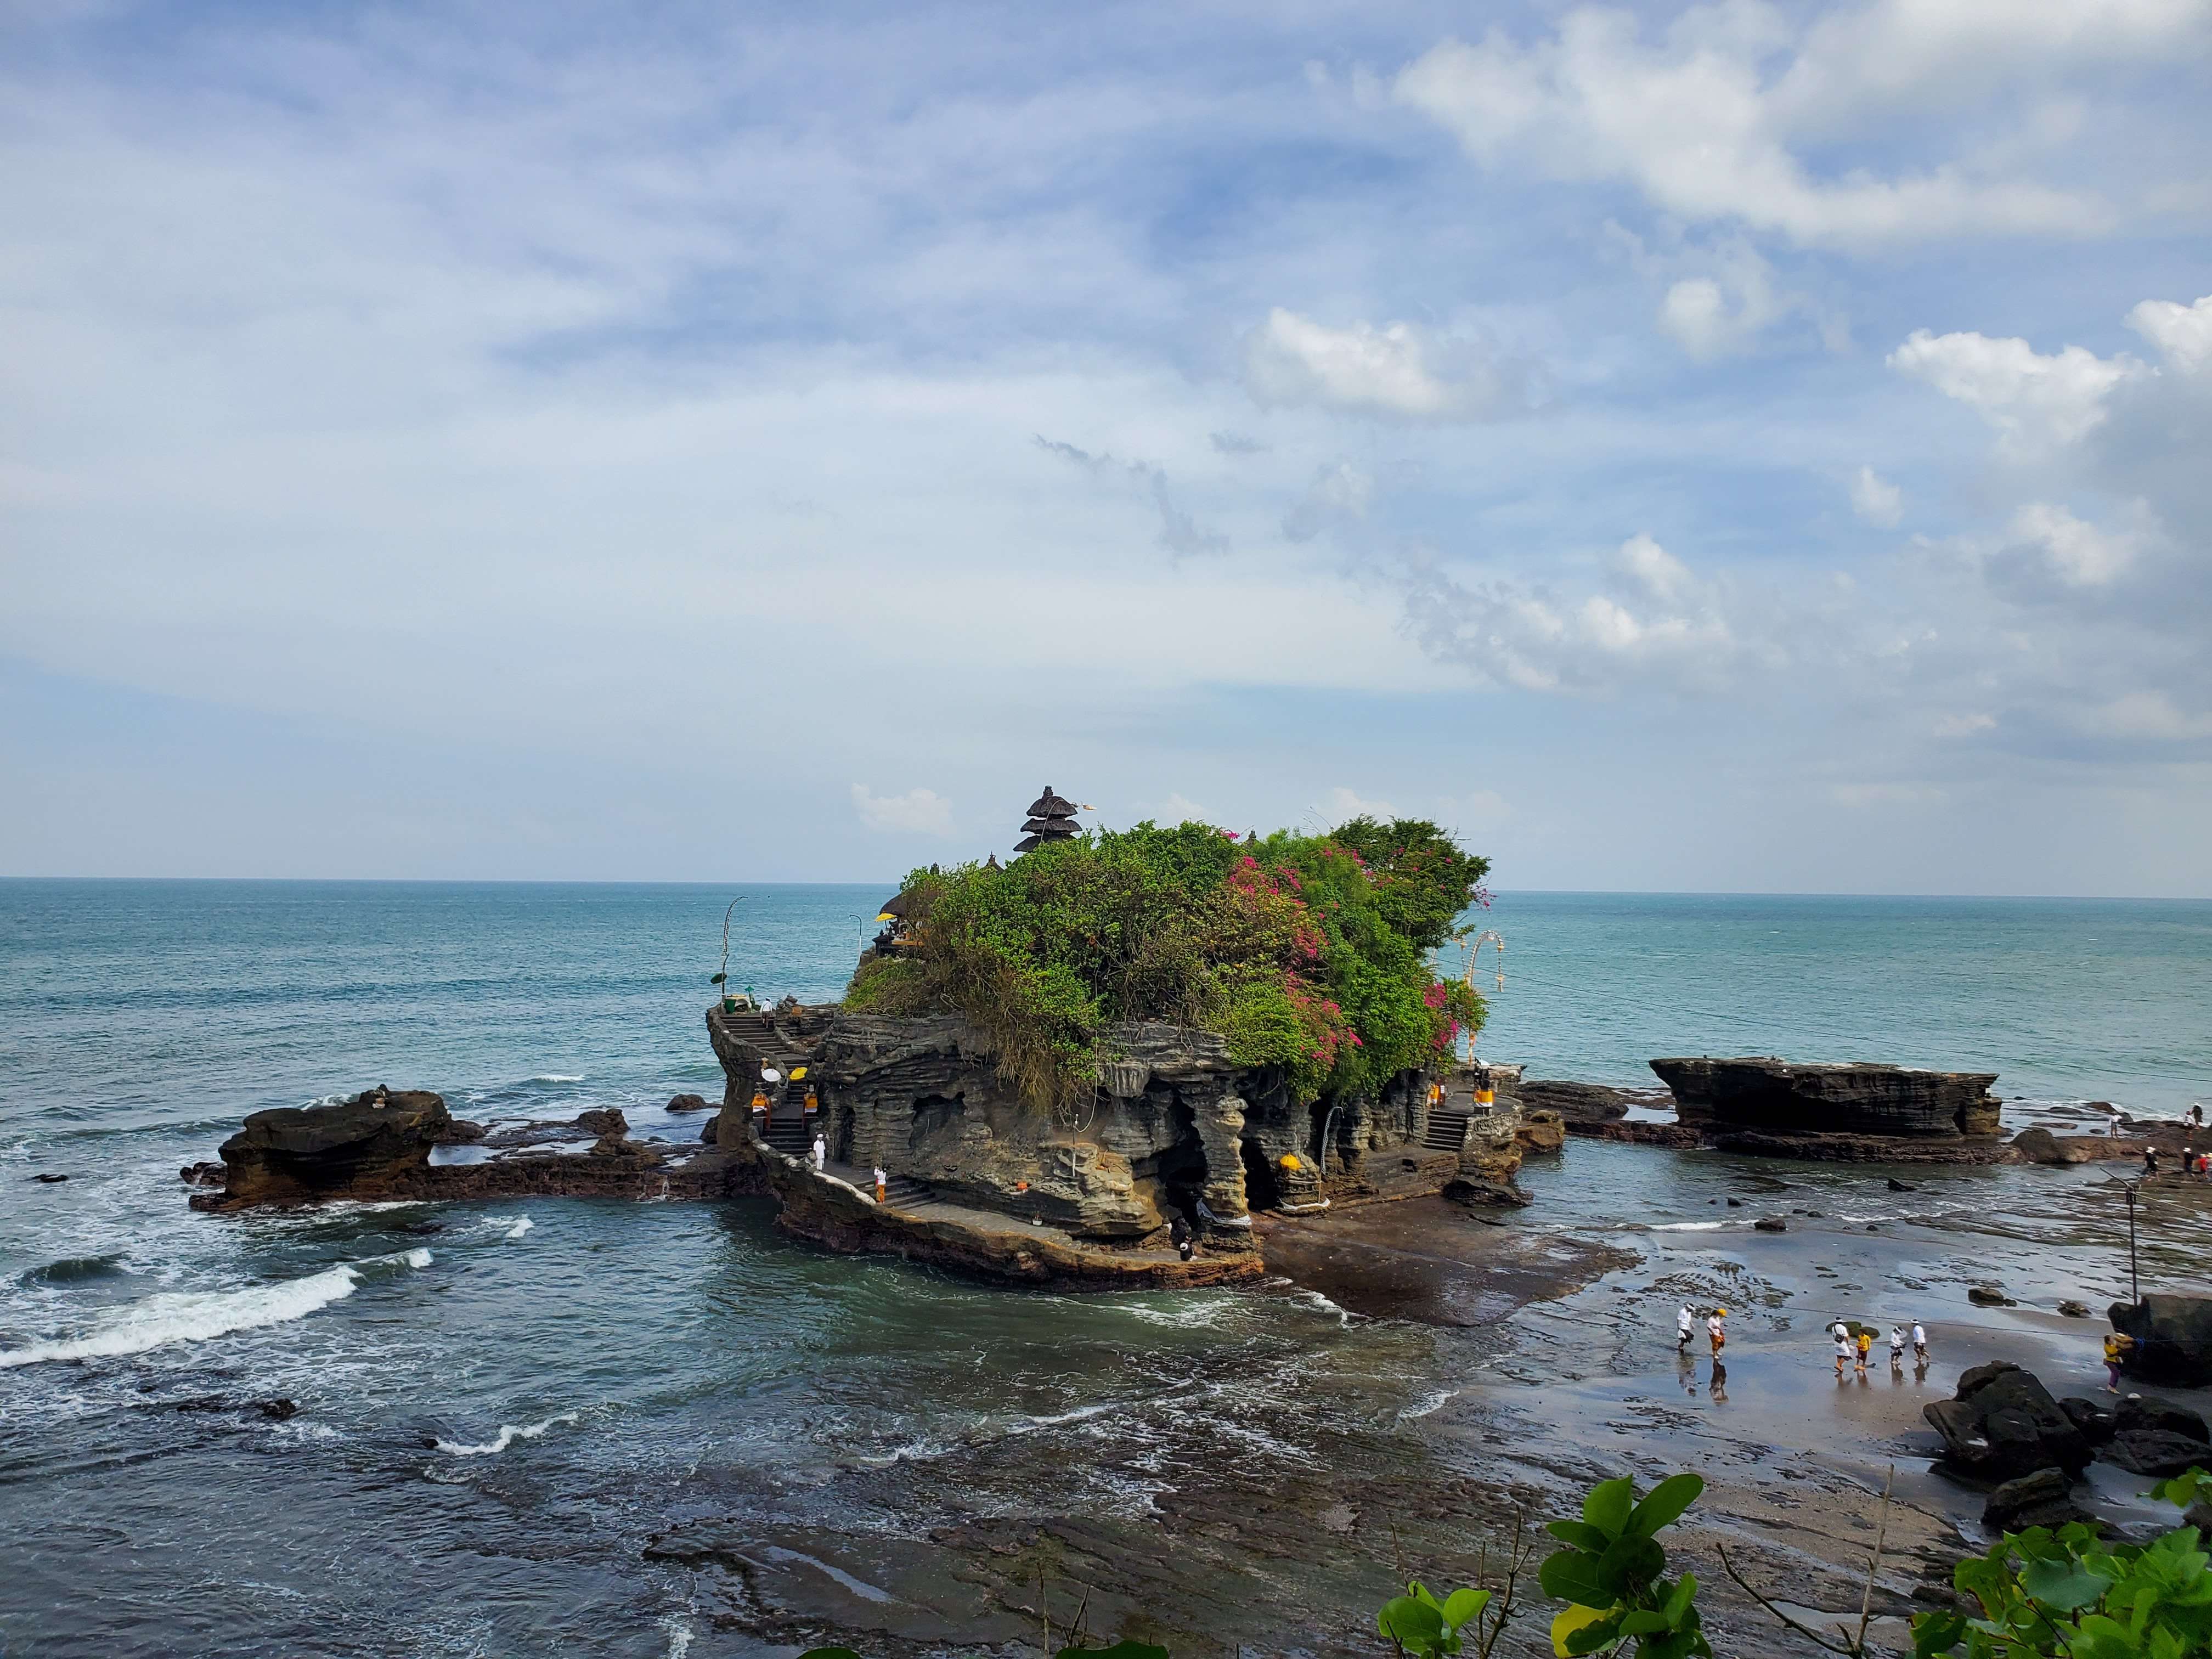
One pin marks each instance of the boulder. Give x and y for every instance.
(464, 1132)
(1771, 1224)
(1542, 1132)
(687, 1104)
(1474, 1190)
(2003, 1424)
(604, 1121)
(2039, 1146)
(2073, 1309)
(277, 1410)
(2156, 1453)
(1989, 1296)
(1776, 1097)
(2044, 1498)
(50, 1178)
(379, 1141)
(1575, 1103)
(2137, 1415)
(202, 1174)
(2098, 1422)
(1897, 1186)
(711, 1130)
(2172, 1339)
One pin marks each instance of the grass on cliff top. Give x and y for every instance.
(1307, 952)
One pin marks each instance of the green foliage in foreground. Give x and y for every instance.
(1307, 952)
(1612, 1574)
(2068, 1593)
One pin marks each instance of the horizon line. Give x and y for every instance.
(1560, 892)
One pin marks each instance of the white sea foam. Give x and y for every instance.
(1694, 1226)
(511, 1227)
(508, 1434)
(558, 1076)
(679, 1636)
(200, 1316)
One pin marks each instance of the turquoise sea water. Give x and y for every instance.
(503, 1405)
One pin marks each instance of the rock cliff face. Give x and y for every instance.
(373, 1145)
(1851, 1110)
(1174, 1127)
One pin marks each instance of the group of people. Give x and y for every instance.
(1686, 1323)
(2193, 1163)
(1859, 1348)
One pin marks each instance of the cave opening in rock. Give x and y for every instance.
(932, 1114)
(1263, 1184)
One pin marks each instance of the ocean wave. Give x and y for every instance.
(72, 1268)
(509, 1227)
(1694, 1226)
(202, 1315)
(556, 1076)
(508, 1434)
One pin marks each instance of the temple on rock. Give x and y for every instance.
(997, 1091)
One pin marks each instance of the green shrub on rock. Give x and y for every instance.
(1306, 952)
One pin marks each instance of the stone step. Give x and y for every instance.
(1447, 1132)
(904, 1192)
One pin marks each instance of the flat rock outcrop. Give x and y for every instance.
(1576, 1102)
(370, 1146)
(1858, 1110)
(378, 1146)
(2172, 1339)
(2003, 1424)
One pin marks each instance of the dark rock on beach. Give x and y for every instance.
(2039, 1146)
(2073, 1309)
(2098, 1422)
(1854, 1112)
(1989, 1296)
(1541, 1132)
(1771, 1224)
(2003, 1423)
(2041, 1498)
(1897, 1186)
(202, 1174)
(2172, 1339)
(277, 1410)
(1472, 1190)
(49, 1177)
(604, 1121)
(687, 1104)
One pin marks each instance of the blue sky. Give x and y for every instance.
(1738, 446)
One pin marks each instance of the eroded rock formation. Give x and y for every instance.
(2003, 1424)
(2172, 1339)
(1855, 1111)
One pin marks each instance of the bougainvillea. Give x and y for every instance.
(1311, 953)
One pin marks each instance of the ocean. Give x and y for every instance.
(516, 1421)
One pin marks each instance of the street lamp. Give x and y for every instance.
(2135, 1291)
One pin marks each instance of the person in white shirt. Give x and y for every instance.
(1843, 1348)
(1919, 1344)
(1716, 1330)
(821, 1154)
(881, 1179)
(1896, 1347)
(1685, 1321)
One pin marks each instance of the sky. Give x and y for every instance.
(1741, 446)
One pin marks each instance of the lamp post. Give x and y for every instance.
(2135, 1291)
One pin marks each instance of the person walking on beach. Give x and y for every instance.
(1897, 1350)
(821, 1152)
(1843, 1348)
(1866, 1347)
(2150, 1160)
(1684, 1323)
(1919, 1344)
(2116, 1348)
(1716, 1330)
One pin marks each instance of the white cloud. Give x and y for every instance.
(918, 811)
(1343, 804)
(2183, 333)
(2148, 717)
(1652, 567)
(1965, 726)
(1181, 809)
(2032, 399)
(1694, 122)
(1401, 370)
(2075, 553)
(1876, 499)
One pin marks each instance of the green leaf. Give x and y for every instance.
(1678, 1601)
(1463, 1604)
(1124, 1649)
(1628, 1563)
(1935, 1633)
(1664, 1504)
(1607, 1505)
(1571, 1576)
(1580, 1534)
(1642, 1621)
(1591, 1637)
(1570, 1620)
(2063, 1585)
(1418, 1625)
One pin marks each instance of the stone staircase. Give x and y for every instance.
(905, 1193)
(787, 1131)
(1447, 1132)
